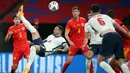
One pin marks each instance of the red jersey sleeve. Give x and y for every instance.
(10, 29)
(85, 20)
(123, 26)
(118, 21)
(68, 25)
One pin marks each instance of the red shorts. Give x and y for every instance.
(19, 52)
(73, 50)
(127, 52)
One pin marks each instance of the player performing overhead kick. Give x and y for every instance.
(51, 43)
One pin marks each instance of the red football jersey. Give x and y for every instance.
(126, 41)
(118, 21)
(19, 35)
(77, 32)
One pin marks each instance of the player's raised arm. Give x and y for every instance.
(117, 26)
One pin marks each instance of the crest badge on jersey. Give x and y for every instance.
(78, 25)
(14, 58)
(23, 28)
(82, 24)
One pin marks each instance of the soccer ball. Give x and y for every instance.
(53, 6)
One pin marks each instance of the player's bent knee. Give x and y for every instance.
(37, 47)
(35, 35)
(14, 67)
(89, 55)
(113, 63)
(121, 61)
(69, 61)
(100, 59)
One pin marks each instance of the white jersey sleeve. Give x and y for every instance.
(95, 38)
(101, 22)
(87, 27)
(113, 21)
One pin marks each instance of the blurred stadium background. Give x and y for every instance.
(38, 9)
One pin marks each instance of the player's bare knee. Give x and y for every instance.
(89, 55)
(37, 47)
(100, 59)
(35, 35)
(69, 61)
(70, 58)
(121, 61)
(14, 67)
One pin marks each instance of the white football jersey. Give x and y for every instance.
(95, 38)
(101, 22)
(53, 42)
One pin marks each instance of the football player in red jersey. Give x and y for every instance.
(20, 44)
(126, 41)
(75, 34)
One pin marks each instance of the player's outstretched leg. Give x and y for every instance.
(35, 35)
(34, 32)
(31, 58)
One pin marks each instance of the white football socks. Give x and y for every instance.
(32, 57)
(129, 64)
(106, 67)
(88, 65)
(125, 68)
(27, 24)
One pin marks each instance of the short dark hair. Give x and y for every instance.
(60, 27)
(14, 16)
(89, 12)
(95, 8)
(76, 7)
(111, 13)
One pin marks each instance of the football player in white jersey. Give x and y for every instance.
(95, 43)
(111, 42)
(51, 43)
